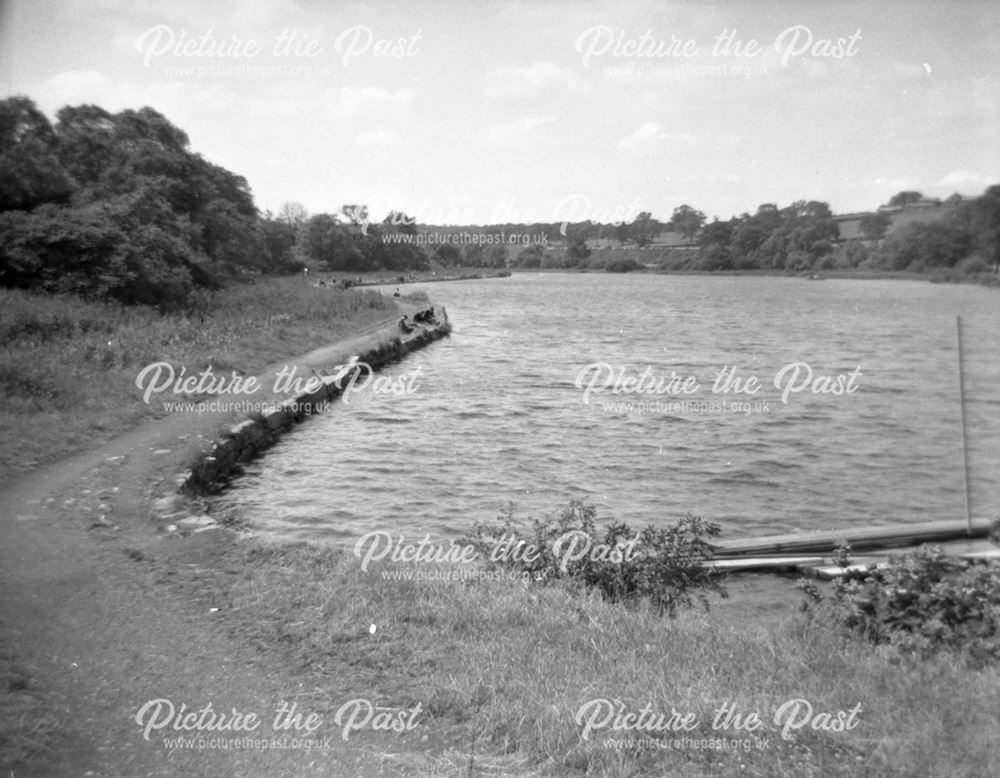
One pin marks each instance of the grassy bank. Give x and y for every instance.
(26, 719)
(506, 665)
(68, 366)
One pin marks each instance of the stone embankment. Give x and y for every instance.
(249, 438)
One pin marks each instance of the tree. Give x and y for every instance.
(356, 215)
(294, 214)
(530, 256)
(30, 170)
(278, 239)
(229, 236)
(984, 224)
(922, 245)
(874, 225)
(327, 242)
(718, 233)
(86, 142)
(644, 227)
(687, 221)
(496, 256)
(448, 254)
(767, 218)
(809, 231)
(715, 240)
(745, 244)
(905, 198)
(577, 249)
(472, 255)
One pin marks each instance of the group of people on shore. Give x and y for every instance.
(426, 316)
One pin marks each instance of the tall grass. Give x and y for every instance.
(68, 365)
(509, 663)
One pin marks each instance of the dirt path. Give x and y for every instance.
(85, 607)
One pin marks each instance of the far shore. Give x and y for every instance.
(475, 274)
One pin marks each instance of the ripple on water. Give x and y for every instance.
(497, 416)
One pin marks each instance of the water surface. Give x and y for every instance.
(497, 415)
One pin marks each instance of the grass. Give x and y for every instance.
(68, 366)
(507, 664)
(26, 720)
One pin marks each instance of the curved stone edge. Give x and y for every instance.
(251, 437)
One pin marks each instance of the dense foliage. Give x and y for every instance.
(661, 565)
(117, 206)
(920, 604)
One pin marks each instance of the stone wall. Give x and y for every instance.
(249, 438)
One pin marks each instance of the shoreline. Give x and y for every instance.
(985, 279)
(252, 436)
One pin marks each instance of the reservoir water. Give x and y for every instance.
(499, 412)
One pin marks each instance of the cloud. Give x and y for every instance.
(353, 102)
(73, 87)
(172, 98)
(224, 16)
(539, 78)
(511, 133)
(651, 133)
(967, 180)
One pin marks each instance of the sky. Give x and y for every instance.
(491, 112)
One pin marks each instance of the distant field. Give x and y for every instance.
(849, 228)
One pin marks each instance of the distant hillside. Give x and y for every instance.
(927, 210)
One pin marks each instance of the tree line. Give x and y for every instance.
(117, 206)
(803, 236)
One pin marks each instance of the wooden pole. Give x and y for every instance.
(961, 405)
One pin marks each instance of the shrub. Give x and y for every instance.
(920, 604)
(661, 564)
(622, 265)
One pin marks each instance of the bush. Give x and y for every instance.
(923, 245)
(920, 604)
(663, 565)
(973, 264)
(622, 265)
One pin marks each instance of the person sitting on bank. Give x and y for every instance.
(404, 326)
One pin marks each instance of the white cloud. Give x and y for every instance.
(353, 102)
(225, 17)
(171, 98)
(73, 87)
(967, 180)
(651, 133)
(512, 132)
(533, 80)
